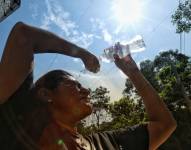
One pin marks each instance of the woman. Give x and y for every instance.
(66, 101)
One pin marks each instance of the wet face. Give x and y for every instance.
(71, 98)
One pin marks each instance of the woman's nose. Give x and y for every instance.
(85, 91)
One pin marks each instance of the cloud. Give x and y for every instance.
(76, 60)
(107, 37)
(58, 17)
(98, 24)
(113, 82)
(82, 39)
(34, 8)
(45, 23)
(163, 50)
(86, 74)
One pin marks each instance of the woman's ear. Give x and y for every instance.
(44, 94)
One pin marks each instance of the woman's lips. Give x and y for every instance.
(87, 99)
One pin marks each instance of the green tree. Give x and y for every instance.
(173, 75)
(182, 17)
(100, 100)
(126, 112)
(147, 67)
(170, 74)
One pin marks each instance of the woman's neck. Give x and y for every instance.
(64, 126)
(65, 123)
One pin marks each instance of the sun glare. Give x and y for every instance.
(126, 11)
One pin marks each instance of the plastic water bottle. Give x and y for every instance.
(123, 49)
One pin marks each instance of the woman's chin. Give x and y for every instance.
(88, 110)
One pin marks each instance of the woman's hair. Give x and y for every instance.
(40, 116)
(51, 79)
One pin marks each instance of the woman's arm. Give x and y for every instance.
(23, 42)
(161, 122)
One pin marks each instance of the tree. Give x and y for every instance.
(174, 77)
(171, 73)
(126, 112)
(100, 100)
(147, 67)
(182, 17)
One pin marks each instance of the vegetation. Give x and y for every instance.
(182, 17)
(170, 75)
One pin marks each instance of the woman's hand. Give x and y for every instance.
(127, 65)
(91, 62)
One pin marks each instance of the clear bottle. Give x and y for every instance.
(123, 49)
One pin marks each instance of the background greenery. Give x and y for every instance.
(170, 74)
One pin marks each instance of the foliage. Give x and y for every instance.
(182, 17)
(148, 69)
(100, 99)
(170, 74)
(173, 77)
(126, 112)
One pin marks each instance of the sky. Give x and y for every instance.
(96, 25)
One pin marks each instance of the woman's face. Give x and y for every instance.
(71, 98)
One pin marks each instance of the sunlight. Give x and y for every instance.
(126, 11)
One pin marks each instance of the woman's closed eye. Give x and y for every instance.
(79, 85)
(72, 84)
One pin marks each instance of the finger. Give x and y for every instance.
(127, 58)
(116, 57)
(119, 62)
(129, 55)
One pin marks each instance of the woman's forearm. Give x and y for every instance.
(161, 123)
(44, 41)
(155, 107)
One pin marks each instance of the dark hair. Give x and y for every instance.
(40, 117)
(51, 79)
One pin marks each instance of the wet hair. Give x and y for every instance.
(51, 80)
(40, 117)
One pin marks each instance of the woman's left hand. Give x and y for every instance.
(127, 65)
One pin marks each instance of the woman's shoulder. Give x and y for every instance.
(22, 91)
(19, 100)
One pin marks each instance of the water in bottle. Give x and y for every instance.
(123, 49)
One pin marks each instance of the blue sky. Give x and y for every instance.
(94, 25)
